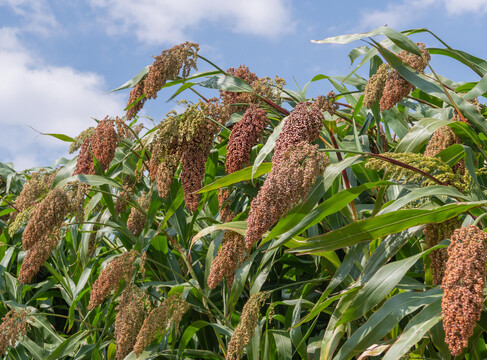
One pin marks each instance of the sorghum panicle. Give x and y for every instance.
(227, 260)
(268, 88)
(396, 87)
(128, 185)
(433, 235)
(375, 86)
(226, 214)
(33, 189)
(327, 103)
(132, 309)
(14, 326)
(196, 137)
(167, 66)
(84, 163)
(20, 220)
(303, 124)
(46, 218)
(104, 142)
(244, 135)
(463, 285)
(245, 329)
(432, 166)
(229, 97)
(374, 146)
(80, 139)
(136, 219)
(287, 184)
(136, 92)
(171, 310)
(165, 173)
(117, 269)
(441, 139)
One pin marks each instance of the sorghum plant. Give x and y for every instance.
(259, 221)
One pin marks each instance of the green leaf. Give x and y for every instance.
(283, 344)
(268, 147)
(334, 170)
(433, 88)
(69, 346)
(396, 37)
(479, 90)
(419, 135)
(237, 176)
(95, 180)
(193, 329)
(236, 226)
(227, 83)
(415, 330)
(476, 64)
(378, 287)
(134, 81)
(385, 319)
(62, 137)
(303, 219)
(382, 225)
(433, 190)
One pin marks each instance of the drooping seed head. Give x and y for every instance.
(463, 285)
(287, 184)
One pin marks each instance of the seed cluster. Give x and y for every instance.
(245, 329)
(136, 219)
(167, 66)
(327, 103)
(37, 186)
(287, 184)
(41, 234)
(463, 285)
(132, 310)
(303, 124)
(396, 87)
(80, 139)
(265, 87)
(136, 92)
(230, 98)
(244, 135)
(374, 146)
(14, 326)
(226, 214)
(102, 145)
(186, 138)
(171, 310)
(128, 186)
(443, 138)
(432, 166)
(120, 268)
(20, 220)
(375, 86)
(433, 235)
(227, 260)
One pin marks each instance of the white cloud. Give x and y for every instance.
(51, 99)
(455, 7)
(36, 14)
(167, 21)
(401, 14)
(396, 15)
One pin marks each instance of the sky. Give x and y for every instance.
(60, 58)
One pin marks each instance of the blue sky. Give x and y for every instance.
(59, 58)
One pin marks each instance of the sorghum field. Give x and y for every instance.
(259, 222)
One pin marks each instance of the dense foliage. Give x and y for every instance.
(260, 223)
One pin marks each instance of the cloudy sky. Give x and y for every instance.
(59, 58)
